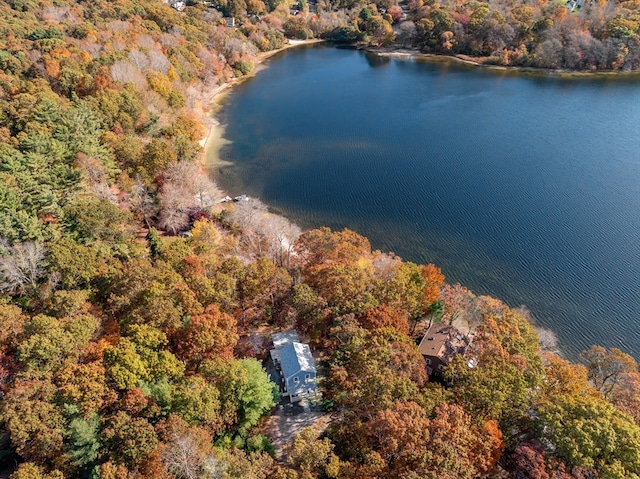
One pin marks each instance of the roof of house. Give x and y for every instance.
(444, 342)
(296, 357)
(280, 339)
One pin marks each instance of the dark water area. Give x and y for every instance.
(523, 187)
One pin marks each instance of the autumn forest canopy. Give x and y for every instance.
(131, 349)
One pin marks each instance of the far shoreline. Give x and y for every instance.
(475, 62)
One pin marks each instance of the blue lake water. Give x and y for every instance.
(523, 187)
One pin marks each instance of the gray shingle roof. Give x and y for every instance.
(295, 358)
(280, 339)
(296, 364)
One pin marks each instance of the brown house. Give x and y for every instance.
(440, 345)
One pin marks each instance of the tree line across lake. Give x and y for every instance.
(584, 35)
(129, 350)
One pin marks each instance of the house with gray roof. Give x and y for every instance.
(296, 364)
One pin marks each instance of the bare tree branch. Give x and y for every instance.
(21, 266)
(141, 201)
(181, 457)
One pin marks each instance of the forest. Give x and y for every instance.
(579, 35)
(136, 307)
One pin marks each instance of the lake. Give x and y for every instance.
(520, 186)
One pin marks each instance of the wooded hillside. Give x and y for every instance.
(127, 350)
(577, 35)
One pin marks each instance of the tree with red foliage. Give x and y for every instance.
(527, 461)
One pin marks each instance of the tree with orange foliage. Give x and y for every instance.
(494, 437)
(194, 274)
(338, 266)
(204, 336)
(52, 68)
(372, 370)
(406, 443)
(86, 386)
(383, 316)
(564, 378)
(13, 322)
(346, 285)
(323, 245)
(461, 448)
(615, 374)
(401, 436)
(433, 281)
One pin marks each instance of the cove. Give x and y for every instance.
(522, 187)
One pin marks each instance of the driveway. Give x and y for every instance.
(289, 419)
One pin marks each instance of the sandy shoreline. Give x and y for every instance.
(214, 139)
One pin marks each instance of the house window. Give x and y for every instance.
(295, 380)
(439, 367)
(429, 371)
(307, 377)
(428, 361)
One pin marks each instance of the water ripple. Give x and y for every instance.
(528, 190)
